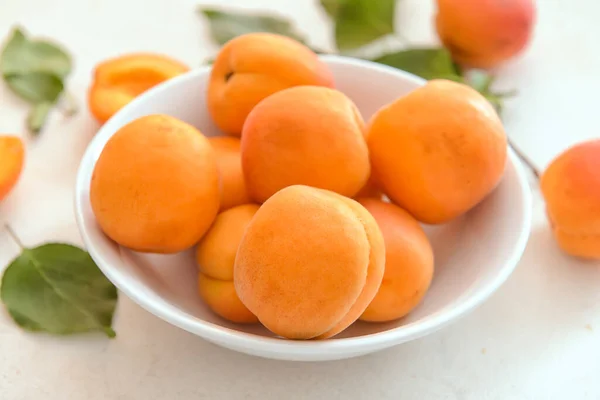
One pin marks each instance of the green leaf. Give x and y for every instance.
(37, 116)
(360, 22)
(224, 26)
(426, 63)
(36, 87)
(22, 56)
(35, 70)
(332, 7)
(57, 288)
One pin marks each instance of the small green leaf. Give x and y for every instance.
(426, 63)
(224, 26)
(37, 116)
(22, 56)
(57, 288)
(360, 22)
(35, 70)
(332, 7)
(36, 87)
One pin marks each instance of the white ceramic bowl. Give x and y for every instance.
(474, 255)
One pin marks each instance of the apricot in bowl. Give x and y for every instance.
(475, 252)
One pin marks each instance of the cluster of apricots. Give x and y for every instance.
(484, 37)
(304, 217)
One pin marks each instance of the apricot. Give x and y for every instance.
(438, 151)
(119, 80)
(229, 159)
(155, 186)
(370, 189)
(215, 256)
(484, 33)
(253, 66)
(309, 263)
(571, 188)
(408, 263)
(222, 299)
(12, 156)
(306, 135)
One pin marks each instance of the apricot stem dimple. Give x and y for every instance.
(228, 76)
(525, 159)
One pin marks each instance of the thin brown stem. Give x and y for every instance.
(525, 159)
(14, 236)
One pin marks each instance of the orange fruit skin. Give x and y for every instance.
(215, 256)
(305, 135)
(438, 151)
(229, 159)
(253, 66)
(155, 186)
(119, 80)
(309, 263)
(485, 33)
(221, 297)
(12, 158)
(375, 268)
(571, 188)
(370, 189)
(409, 263)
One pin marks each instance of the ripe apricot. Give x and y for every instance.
(233, 187)
(484, 33)
(253, 66)
(438, 151)
(305, 135)
(408, 263)
(571, 188)
(215, 257)
(370, 189)
(155, 186)
(119, 80)
(309, 263)
(12, 156)
(221, 297)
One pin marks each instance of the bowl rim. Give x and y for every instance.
(274, 345)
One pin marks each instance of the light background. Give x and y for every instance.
(538, 337)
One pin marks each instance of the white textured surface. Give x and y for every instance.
(538, 337)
